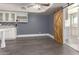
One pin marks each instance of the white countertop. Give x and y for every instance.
(5, 27)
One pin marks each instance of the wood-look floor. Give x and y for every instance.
(36, 46)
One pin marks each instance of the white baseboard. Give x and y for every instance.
(36, 35)
(31, 35)
(51, 36)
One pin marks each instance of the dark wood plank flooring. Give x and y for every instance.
(36, 46)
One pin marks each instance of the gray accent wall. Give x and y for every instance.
(51, 24)
(37, 24)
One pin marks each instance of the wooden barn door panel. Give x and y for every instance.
(58, 26)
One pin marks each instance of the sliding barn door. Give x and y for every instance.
(58, 26)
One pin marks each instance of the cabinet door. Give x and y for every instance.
(12, 17)
(7, 34)
(1, 17)
(9, 17)
(6, 17)
(10, 33)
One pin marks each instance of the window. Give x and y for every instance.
(74, 19)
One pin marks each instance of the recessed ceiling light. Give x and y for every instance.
(23, 8)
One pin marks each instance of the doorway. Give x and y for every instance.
(71, 26)
(58, 26)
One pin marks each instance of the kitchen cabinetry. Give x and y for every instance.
(6, 16)
(9, 17)
(7, 32)
(10, 33)
(13, 17)
(1, 17)
(22, 17)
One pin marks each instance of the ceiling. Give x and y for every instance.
(28, 7)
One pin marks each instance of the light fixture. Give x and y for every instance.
(23, 8)
(36, 6)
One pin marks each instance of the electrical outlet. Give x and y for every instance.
(39, 32)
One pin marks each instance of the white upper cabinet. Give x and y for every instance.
(6, 17)
(13, 16)
(9, 17)
(22, 17)
(1, 17)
